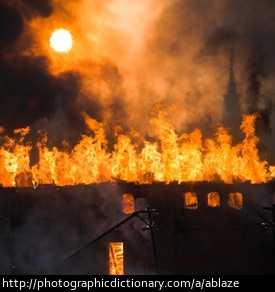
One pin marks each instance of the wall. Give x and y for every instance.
(52, 230)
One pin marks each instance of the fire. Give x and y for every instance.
(171, 157)
(61, 40)
(235, 200)
(213, 199)
(116, 258)
(128, 204)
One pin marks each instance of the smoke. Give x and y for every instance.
(253, 31)
(130, 55)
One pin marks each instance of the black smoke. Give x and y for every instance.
(29, 94)
(211, 30)
(247, 27)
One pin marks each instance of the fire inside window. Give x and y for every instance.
(213, 199)
(190, 200)
(235, 200)
(128, 203)
(116, 258)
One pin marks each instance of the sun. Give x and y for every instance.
(61, 40)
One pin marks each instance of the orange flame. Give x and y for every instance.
(171, 157)
(116, 258)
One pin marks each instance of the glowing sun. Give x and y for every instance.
(61, 40)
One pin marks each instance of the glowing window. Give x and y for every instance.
(190, 200)
(235, 200)
(128, 204)
(213, 199)
(116, 258)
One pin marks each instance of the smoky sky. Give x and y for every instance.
(215, 28)
(133, 56)
(27, 88)
(29, 92)
(248, 28)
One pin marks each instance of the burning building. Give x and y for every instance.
(108, 228)
(69, 212)
(112, 160)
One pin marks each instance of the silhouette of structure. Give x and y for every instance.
(203, 228)
(232, 115)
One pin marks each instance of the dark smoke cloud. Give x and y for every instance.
(32, 95)
(26, 84)
(216, 27)
(252, 23)
(189, 51)
(42, 8)
(11, 25)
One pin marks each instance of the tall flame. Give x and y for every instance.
(171, 157)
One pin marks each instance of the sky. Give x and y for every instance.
(129, 56)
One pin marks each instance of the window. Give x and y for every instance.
(190, 200)
(213, 199)
(235, 200)
(116, 258)
(128, 204)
